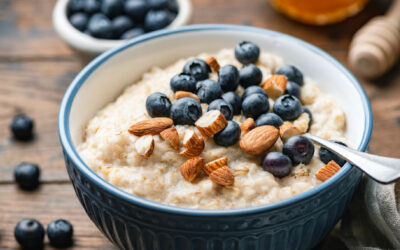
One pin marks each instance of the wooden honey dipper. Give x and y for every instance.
(376, 46)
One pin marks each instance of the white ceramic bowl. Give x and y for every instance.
(94, 46)
(132, 222)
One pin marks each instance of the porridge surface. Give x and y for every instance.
(108, 147)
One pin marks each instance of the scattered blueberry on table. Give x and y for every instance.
(22, 127)
(326, 156)
(29, 233)
(120, 19)
(27, 176)
(60, 233)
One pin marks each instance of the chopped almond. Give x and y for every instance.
(191, 168)
(171, 136)
(213, 63)
(327, 171)
(194, 145)
(211, 123)
(222, 176)
(275, 86)
(214, 165)
(247, 125)
(288, 130)
(145, 145)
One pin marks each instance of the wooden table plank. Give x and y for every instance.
(51, 201)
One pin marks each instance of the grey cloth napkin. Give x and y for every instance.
(373, 220)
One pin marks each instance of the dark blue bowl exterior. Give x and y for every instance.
(300, 225)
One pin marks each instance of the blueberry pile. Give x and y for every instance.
(30, 233)
(254, 103)
(120, 19)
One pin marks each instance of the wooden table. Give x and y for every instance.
(36, 68)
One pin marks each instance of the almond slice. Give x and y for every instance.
(240, 171)
(193, 143)
(211, 123)
(275, 86)
(222, 176)
(151, 126)
(247, 125)
(327, 171)
(191, 168)
(259, 140)
(214, 165)
(181, 94)
(213, 63)
(171, 135)
(288, 130)
(145, 145)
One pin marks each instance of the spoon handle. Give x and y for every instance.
(382, 169)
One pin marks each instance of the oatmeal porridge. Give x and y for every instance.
(159, 165)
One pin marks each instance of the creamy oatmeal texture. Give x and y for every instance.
(109, 149)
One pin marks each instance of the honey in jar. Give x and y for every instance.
(319, 12)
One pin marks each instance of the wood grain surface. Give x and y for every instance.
(36, 68)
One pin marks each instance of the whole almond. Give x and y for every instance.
(222, 176)
(151, 126)
(213, 63)
(191, 168)
(211, 123)
(171, 136)
(180, 94)
(259, 140)
(214, 165)
(247, 125)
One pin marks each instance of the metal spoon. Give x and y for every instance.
(382, 169)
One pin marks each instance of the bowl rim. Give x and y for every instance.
(91, 45)
(66, 142)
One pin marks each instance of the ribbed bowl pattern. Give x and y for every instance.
(300, 225)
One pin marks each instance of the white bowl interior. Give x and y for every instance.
(107, 81)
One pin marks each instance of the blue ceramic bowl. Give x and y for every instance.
(132, 222)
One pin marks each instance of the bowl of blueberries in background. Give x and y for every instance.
(94, 26)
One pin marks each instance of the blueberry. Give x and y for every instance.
(234, 100)
(27, 176)
(121, 24)
(247, 52)
(229, 136)
(292, 73)
(79, 20)
(112, 8)
(22, 127)
(60, 233)
(100, 26)
(250, 75)
(326, 156)
(252, 90)
(156, 19)
(185, 111)
(278, 164)
(293, 89)
(221, 105)
(255, 105)
(136, 9)
(132, 33)
(287, 107)
(92, 6)
(158, 105)
(308, 111)
(269, 119)
(228, 78)
(76, 5)
(173, 6)
(198, 68)
(183, 82)
(158, 4)
(299, 149)
(29, 233)
(208, 90)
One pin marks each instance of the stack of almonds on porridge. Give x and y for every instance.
(217, 131)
